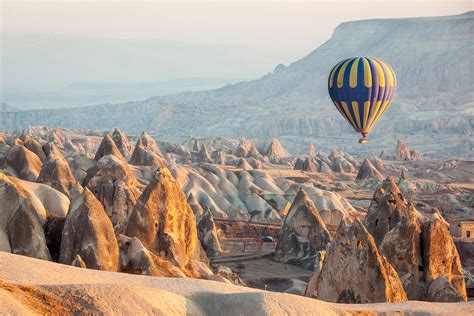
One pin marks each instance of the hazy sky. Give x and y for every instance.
(264, 33)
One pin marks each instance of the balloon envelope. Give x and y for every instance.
(362, 89)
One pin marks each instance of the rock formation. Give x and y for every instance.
(243, 164)
(203, 155)
(402, 152)
(165, 223)
(246, 149)
(368, 171)
(25, 163)
(378, 163)
(121, 141)
(108, 147)
(275, 152)
(56, 172)
(311, 150)
(147, 153)
(207, 234)
(88, 233)
(303, 233)
(387, 208)
(33, 146)
(114, 185)
(135, 258)
(354, 271)
(21, 230)
(307, 165)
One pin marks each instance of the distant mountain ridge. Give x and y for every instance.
(432, 58)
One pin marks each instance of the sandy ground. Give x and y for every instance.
(40, 287)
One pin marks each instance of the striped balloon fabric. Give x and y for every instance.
(362, 89)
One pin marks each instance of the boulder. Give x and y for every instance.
(207, 234)
(164, 222)
(88, 233)
(303, 233)
(25, 163)
(354, 271)
(368, 171)
(21, 230)
(441, 290)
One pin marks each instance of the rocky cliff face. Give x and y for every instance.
(303, 233)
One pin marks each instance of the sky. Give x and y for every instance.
(245, 39)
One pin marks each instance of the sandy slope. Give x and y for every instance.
(32, 285)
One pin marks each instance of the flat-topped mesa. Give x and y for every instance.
(354, 271)
(88, 233)
(147, 153)
(275, 152)
(122, 143)
(21, 230)
(303, 233)
(164, 222)
(368, 171)
(56, 172)
(387, 208)
(108, 147)
(24, 162)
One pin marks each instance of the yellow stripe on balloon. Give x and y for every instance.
(353, 75)
(355, 109)
(380, 73)
(381, 111)
(331, 77)
(393, 74)
(388, 71)
(367, 74)
(348, 113)
(374, 112)
(341, 111)
(366, 112)
(340, 75)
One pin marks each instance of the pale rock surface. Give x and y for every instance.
(21, 230)
(56, 172)
(146, 153)
(88, 232)
(247, 149)
(303, 233)
(402, 152)
(368, 171)
(108, 147)
(203, 155)
(354, 271)
(243, 164)
(378, 163)
(26, 164)
(311, 150)
(122, 143)
(33, 146)
(134, 256)
(164, 222)
(207, 234)
(275, 152)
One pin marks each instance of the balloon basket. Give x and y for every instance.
(363, 140)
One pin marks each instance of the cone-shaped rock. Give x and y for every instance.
(145, 155)
(378, 163)
(311, 150)
(33, 146)
(203, 155)
(164, 221)
(303, 233)
(56, 172)
(207, 234)
(108, 147)
(402, 152)
(121, 141)
(243, 164)
(276, 152)
(195, 206)
(354, 271)
(21, 231)
(246, 148)
(441, 257)
(368, 171)
(25, 163)
(387, 208)
(299, 164)
(309, 165)
(88, 233)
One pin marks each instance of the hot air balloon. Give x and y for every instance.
(362, 89)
